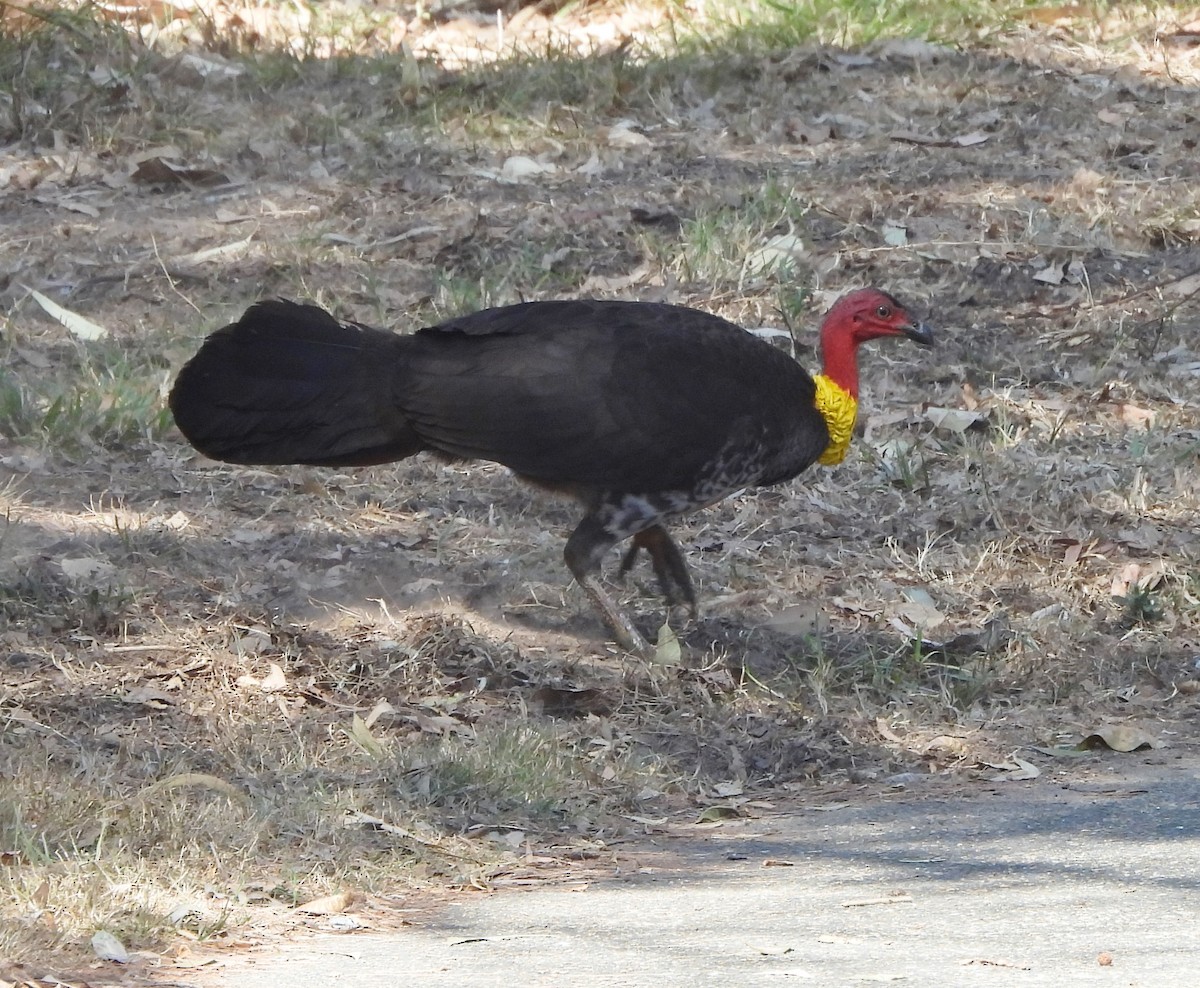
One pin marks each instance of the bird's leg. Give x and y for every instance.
(669, 567)
(585, 549)
(628, 637)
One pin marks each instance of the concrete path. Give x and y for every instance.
(1045, 883)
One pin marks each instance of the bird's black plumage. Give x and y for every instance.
(614, 396)
(641, 411)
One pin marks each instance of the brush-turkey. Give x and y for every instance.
(641, 411)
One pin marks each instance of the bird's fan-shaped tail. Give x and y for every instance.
(288, 383)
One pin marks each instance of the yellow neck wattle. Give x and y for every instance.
(839, 409)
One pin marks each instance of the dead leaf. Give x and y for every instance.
(75, 206)
(1134, 417)
(920, 609)
(779, 250)
(207, 67)
(512, 839)
(108, 948)
(948, 743)
(926, 140)
(988, 640)
(440, 724)
(719, 679)
(853, 60)
(83, 328)
(1119, 737)
(328, 905)
(553, 257)
(1124, 578)
(252, 641)
(1015, 770)
(520, 168)
(149, 697)
(214, 253)
(807, 618)
(411, 77)
(159, 171)
(381, 707)
(1133, 577)
(592, 167)
(1051, 274)
(246, 536)
(177, 522)
(715, 814)
(615, 283)
(354, 818)
(362, 736)
(903, 779)
(622, 135)
(1059, 751)
(667, 651)
(86, 569)
(1184, 287)
(648, 821)
(421, 586)
(769, 332)
(275, 682)
(956, 420)
(800, 132)
(914, 49)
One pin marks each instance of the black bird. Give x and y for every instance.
(641, 411)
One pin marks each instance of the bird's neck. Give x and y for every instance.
(837, 390)
(839, 409)
(839, 358)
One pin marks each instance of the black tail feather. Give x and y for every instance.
(288, 383)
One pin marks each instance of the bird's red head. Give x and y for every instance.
(859, 316)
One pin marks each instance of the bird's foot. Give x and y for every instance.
(630, 639)
(669, 567)
(682, 616)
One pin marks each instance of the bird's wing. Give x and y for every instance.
(614, 396)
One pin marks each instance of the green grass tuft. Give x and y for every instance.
(781, 24)
(108, 394)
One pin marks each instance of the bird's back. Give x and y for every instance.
(614, 396)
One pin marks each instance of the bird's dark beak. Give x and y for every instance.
(918, 333)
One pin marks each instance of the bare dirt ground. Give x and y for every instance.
(251, 688)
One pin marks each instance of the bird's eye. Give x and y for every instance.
(884, 312)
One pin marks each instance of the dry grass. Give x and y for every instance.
(227, 692)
